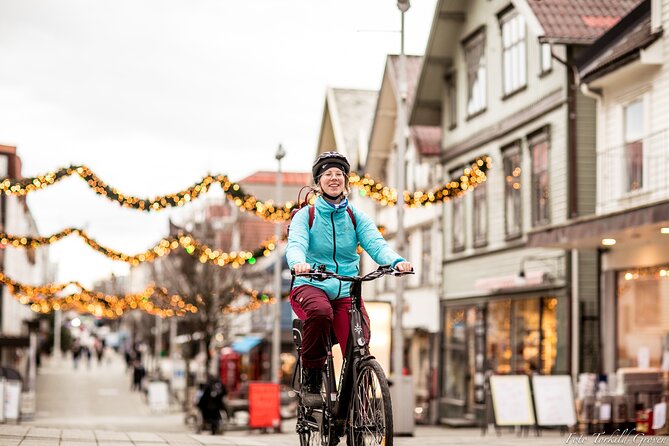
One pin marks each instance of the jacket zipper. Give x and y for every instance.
(334, 250)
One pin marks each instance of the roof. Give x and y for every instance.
(620, 45)
(351, 112)
(427, 139)
(578, 21)
(413, 67)
(269, 177)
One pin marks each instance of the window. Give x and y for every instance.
(426, 263)
(512, 193)
(642, 295)
(458, 220)
(452, 101)
(513, 52)
(540, 190)
(546, 58)
(480, 215)
(476, 73)
(634, 124)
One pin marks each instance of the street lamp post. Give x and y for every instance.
(276, 333)
(402, 391)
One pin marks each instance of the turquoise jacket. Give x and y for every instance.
(332, 241)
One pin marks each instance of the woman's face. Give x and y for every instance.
(333, 182)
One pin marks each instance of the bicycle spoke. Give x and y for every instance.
(369, 424)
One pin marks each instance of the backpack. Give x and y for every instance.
(312, 210)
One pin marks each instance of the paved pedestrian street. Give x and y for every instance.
(94, 406)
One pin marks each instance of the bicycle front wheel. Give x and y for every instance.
(371, 409)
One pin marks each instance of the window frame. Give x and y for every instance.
(634, 144)
(469, 44)
(517, 48)
(544, 70)
(457, 202)
(534, 140)
(509, 152)
(451, 91)
(480, 204)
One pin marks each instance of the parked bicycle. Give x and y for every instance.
(359, 407)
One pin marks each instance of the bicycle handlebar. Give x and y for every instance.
(321, 274)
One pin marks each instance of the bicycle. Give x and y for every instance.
(360, 406)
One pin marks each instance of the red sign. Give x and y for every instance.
(264, 405)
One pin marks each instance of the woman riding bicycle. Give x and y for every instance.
(330, 238)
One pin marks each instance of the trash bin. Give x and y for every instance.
(404, 404)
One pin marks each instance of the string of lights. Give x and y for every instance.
(164, 247)
(73, 295)
(256, 300)
(153, 300)
(472, 176)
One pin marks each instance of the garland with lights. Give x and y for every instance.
(153, 300)
(46, 298)
(190, 244)
(472, 176)
(256, 300)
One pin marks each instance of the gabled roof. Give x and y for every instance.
(426, 139)
(620, 45)
(347, 121)
(576, 21)
(269, 177)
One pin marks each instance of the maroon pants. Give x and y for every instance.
(320, 315)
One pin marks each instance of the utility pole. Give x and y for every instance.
(276, 332)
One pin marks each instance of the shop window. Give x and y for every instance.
(642, 303)
(456, 353)
(475, 61)
(513, 52)
(550, 333)
(512, 192)
(539, 146)
(480, 215)
(634, 124)
(498, 337)
(526, 336)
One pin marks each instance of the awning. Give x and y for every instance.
(587, 232)
(246, 344)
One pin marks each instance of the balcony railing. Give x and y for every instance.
(633, 174)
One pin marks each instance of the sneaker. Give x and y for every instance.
(312, 379)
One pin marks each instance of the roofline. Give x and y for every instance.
(421, 77)
(376, 109)
(530, 18)
(612, 34)
(340, 141)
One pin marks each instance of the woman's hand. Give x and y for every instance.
(301, 268)
(404, 267)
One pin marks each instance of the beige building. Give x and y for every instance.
(498, 79)
(627, 73)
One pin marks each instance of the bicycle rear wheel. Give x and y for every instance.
(371, 409)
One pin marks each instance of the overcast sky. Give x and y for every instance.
(153, 94)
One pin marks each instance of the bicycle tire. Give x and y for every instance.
(371, 412)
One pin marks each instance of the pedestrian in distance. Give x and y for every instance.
(329, 235)
(138, 374)
(211, 404)
(76, 353)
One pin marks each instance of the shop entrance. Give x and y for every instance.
(462, 391)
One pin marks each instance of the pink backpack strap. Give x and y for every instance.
(312, 213)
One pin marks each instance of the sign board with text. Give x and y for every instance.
(512, 400)
(554, 400)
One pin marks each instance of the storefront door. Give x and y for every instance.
(464, 345)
